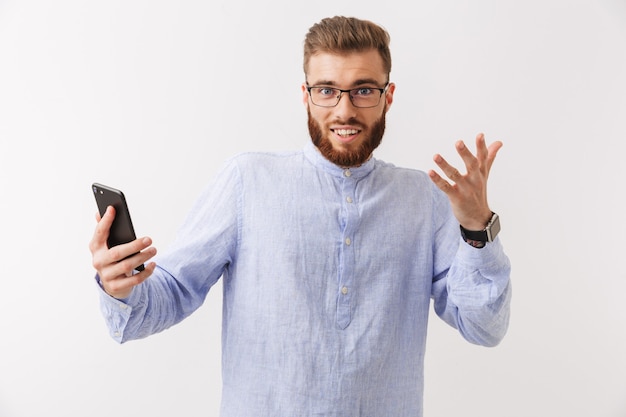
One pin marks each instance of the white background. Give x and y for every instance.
(152, 96)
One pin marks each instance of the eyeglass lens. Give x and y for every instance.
(360, 97)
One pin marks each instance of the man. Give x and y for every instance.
(329, 257)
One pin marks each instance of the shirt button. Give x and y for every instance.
(347, 173)
(344, 290)
(123, 306)
(349, 199)
(348, 241)
(116, 334)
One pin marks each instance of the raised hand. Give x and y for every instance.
(468, 192)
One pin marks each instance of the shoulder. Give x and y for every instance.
(256, 165)
(245, 159)
(401, 173)
(410, 182)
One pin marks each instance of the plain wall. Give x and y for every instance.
(153, 96)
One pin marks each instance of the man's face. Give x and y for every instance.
(347, 135)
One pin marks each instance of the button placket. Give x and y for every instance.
(349, 226)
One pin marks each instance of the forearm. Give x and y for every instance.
(477, 294)
(152, 307)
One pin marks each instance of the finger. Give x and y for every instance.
(122, 259)
(101, 233)
(481, 148)
(441, 183)
(486, 155)
(466, 155)
(111, 271)
(491, 152)
(128, 250)
(450, 171)
(128, 266)
(122, 286)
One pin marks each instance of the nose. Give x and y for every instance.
(344, 107)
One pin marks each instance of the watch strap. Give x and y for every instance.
(488, 234)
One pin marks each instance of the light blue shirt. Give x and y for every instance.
(328, 274)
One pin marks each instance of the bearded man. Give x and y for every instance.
(329, 257)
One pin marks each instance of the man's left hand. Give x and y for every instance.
(468, 192)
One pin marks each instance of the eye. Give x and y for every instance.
(326, 91)
(363, 91)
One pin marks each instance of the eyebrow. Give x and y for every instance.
(356, 83)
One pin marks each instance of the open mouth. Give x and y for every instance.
(345, 135)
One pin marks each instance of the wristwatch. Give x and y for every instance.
(478, 238)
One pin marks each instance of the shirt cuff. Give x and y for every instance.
(490, 254)
(116, 312)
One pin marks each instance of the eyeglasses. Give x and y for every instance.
(362, 97)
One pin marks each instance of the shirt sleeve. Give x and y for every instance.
(202, 250)
(116, 312)
(473, 293)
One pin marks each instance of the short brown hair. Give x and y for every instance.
(340, 35)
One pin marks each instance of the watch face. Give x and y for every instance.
(493, 228)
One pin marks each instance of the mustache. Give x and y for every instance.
(351, 121)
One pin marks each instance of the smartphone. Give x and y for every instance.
(122, 230)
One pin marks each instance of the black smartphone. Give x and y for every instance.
(122, 230)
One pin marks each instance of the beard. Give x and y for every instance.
(347, 157)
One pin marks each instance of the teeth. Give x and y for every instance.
(346, 132)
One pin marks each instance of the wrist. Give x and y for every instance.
(477, 223)
(475, 243)
(478, 238)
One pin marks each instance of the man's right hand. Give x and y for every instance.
(116, 272)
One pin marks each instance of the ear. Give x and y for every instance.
(389, 94)
(305, 95)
